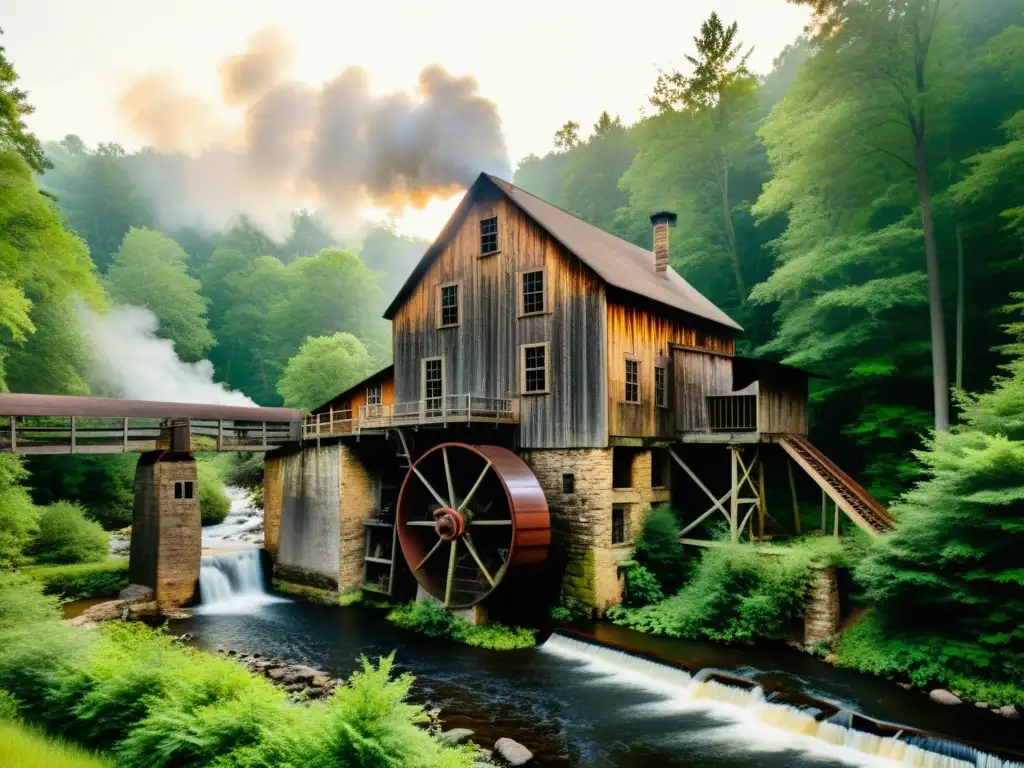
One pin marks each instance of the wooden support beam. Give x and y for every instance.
(824, 514)
(792, 490)
(835, 525)
(693, 476)
(762, 504)
(734, 531)
(74, 433)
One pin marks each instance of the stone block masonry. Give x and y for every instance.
(273, 495)
(359, 495)
(821, 620)
(167, 528)
(308, 539)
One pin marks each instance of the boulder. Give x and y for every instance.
(136, 593)
(320, 681)
(277, 673)
(942, 696)
(454, 736)
(982, 704)
(1009, 711)
(304, 673)
(512, 752)
(91, 617)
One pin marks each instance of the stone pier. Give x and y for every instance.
(821, 620)
(167, 532)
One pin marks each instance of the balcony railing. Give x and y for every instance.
(449, 409)
(732, 413)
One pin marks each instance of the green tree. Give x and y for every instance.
(66, 536)
(308, 237)
(97, 195)
(323, 367)
(14, 106)
(18, 516)
(150, 270)
(567, 137)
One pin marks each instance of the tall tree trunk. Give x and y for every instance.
(730, 233)
(959, 309)
(940, 362)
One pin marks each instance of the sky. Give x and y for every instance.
(542, 61)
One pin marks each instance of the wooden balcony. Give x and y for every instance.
(748, 417)
(435, 411)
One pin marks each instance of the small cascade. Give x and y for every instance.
(232, 582)
(747, 703)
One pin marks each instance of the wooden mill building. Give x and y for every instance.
(590, 358)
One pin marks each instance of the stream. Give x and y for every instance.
(573, 702)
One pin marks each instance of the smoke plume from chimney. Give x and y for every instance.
(273, 144)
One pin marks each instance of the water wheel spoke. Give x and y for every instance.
(433, 549)
(448, 477)
(429, 487)
(492, 522)
(479, 562)
(421, 523)
(451, 573)
(476, 485)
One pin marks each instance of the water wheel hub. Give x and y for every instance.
(449, 523)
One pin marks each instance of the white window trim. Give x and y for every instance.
(423, 378)
(547, 368)
(458, 304)
(379, 390)
(520, 290)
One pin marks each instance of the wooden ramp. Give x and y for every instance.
(857, 503)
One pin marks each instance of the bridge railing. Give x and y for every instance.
(327, 424)
(462, 409)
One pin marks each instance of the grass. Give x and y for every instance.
(21, 747)
(433, 620)
(82, 580)
(312, 594)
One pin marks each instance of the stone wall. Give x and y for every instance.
(309, 530)
(273, 496)
(821, 619)
(167, 532)
(359, 497)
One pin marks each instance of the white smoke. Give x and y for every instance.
(129, 360)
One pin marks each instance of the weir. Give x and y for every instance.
(747, 704)
(233, 582)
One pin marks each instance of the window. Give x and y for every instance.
(632, 381)
(373, 395)
(659, 468)
(660, 389)
(489, 235)
(622, 467)
(433, 385)
(533, 292)
(448, 306)
(618, 525)
(568, 483)
(535, 368)
(183, 490)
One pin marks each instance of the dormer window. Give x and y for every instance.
(488, 236)
(373, 395)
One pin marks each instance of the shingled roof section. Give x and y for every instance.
(619, 263)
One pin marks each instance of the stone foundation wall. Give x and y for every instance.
(821, 619)
(167, 533)
(359, 497)
(311, 500)
(273, 496)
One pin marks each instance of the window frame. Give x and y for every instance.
(423, 384)
(623, 539)
(546, 346)
(378, 394)
(439, 308)
(495, 233)
(627, 362)
(661, 402)
(568, 482)
(184, 490)
(521, 292)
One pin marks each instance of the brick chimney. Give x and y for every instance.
(661, 221)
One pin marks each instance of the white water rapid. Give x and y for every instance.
(749, 718)
(241, 529)
(232, 582)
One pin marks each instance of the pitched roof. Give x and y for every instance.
(619, 263)
(387, 370)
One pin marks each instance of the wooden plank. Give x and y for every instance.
(796, 505)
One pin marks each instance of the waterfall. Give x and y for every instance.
(232, 582)
(744, 702)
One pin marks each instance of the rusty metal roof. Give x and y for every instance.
(619, 263)
(12, 404)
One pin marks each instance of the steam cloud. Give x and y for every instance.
(130, 361)
(272, 144)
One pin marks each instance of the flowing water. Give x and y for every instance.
(233, 582)
(574, 703)
(241, 529)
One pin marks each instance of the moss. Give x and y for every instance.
(306, 592)
(580, 581)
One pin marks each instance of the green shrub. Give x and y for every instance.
(79, 581)
(642, 588)
(571, 609)
(18, 516)
(102, 484)
(67, 536)
(23, 747)
(214, 503)
(431, 619)
(154, 702)
(9, 709)
(735, 594)
(659, 550)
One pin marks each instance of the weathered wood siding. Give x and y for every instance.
(351, 399)
(782, 404)
(696, 376)
(644, 336)
(481, 355)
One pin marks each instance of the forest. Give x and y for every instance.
(858, 209)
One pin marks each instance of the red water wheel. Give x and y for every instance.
(468, 516)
